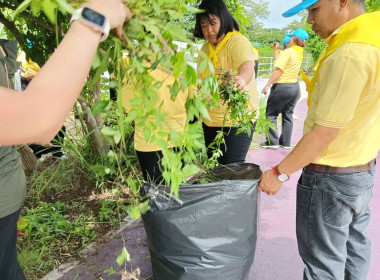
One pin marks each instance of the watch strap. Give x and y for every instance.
(279, 175)
(276, 170)
(77, 15)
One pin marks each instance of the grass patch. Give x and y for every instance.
(65, 209)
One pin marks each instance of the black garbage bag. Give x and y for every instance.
(209, 232)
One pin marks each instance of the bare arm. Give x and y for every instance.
(277, 73)
(245, 74)
(309, 147)
(275, 46)
(36, 114)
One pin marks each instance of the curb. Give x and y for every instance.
(88, 250)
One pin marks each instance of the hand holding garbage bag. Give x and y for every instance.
(269, 183)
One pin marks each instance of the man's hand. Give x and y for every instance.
(269, 183)
(114, 10)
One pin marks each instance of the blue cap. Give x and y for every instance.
(286, 40)
(300, 7)
(300, 33)
(257, 45)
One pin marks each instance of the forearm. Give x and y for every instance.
(277, 73)
(275, 54)
(246, 71)
(308, 148)
(52, 93)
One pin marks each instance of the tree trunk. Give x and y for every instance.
(96, 93)
(99, 146)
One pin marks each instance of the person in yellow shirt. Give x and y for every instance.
(257, 56)
(285, 90)
(229, 50)
(340, 143)
(148, 151)
(275, 46)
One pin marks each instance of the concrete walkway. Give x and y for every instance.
(276, 251)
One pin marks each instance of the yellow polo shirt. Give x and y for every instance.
(289, 62)
(234, 53)
(347, 96)
(256, 53)
(175, 111)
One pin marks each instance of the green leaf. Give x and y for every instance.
(101, 69)
(178, 65)
(123, 256)
(203, 110)
(147, 133)
(132, 185)
(49, 8)
(22, 224)
(190, 75)
(136, 210)
(174, 90)
(96, 61)
(35, 6)
(114, 134)
(190, 169)
(99, 107)
(110, 271)
(23, 6)
(202, 66)
(65, 7)
(107, 131)
(184, 84)
(193, 10)
(131, 116)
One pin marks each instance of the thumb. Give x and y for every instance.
(119, 31)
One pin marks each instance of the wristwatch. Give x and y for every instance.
(282, 177)
(94, 20)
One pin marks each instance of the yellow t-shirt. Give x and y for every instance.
(175, 110)
(289, 62)
(234, 53)
(347, 96)
(256, 53)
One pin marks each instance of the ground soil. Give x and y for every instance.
(82, 189)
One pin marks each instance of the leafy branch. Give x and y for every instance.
(240, 111)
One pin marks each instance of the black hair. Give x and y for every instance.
(218, 8)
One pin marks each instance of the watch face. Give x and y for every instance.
(93, 17)
(283, 177)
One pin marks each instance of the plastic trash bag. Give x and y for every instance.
(209, 231)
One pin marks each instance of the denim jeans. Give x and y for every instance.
(332, 215)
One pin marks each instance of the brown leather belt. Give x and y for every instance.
(352, 169)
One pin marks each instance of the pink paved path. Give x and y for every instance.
(276, 250)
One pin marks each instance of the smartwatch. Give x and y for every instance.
(282, 177)
(94, 20)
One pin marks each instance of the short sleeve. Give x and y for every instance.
(341, 82)
(241, 51)
(283, 59)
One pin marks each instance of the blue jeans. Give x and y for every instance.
(332, 215)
